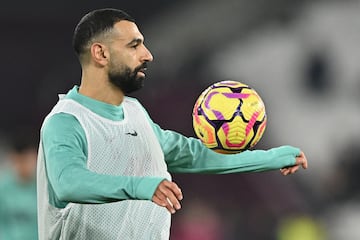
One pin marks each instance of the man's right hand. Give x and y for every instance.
(168, 195)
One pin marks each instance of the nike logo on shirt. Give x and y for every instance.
(134, 133)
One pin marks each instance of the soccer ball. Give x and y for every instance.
(229, 117)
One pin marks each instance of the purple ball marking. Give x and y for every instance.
(236, 95)
(207, 100)
(218, 115)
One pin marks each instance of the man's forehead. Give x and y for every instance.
(127, 30)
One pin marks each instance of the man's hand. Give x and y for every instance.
(168, 195)
(300, 161)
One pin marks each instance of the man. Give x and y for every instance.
(103, 167)
(18, 213)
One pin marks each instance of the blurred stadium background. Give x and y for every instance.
(303, 57)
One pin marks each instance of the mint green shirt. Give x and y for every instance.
(65, 149)
(18, 213)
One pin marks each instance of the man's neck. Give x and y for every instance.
(99, 88)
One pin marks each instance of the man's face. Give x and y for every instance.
(128, 57)
(24, 164)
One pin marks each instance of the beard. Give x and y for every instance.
(126, 79)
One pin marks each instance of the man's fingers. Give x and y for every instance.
(294, 169)
(285, 171)
(301, 160)
(289, 170)
(162, 200)
(171, 193)
(158, 201)
(175, 189)
(168, 195)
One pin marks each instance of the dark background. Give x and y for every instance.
(301, 56)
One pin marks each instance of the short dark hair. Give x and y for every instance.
(24, 138)
(95, 23)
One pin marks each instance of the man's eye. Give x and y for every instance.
(135, 46)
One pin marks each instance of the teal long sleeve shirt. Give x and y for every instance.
(18, 216)
(65, 149)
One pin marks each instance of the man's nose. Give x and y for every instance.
(148, 57)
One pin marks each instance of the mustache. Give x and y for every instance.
(142, 66)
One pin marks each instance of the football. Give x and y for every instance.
(229, 117)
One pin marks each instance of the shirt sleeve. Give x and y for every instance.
(189, 155)
(65, 150)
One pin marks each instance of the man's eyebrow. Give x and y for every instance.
(135, 41)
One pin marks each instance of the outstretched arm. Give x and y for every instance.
(189, 155)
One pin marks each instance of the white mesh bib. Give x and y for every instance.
(127, 147)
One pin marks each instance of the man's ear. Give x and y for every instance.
(99, 53)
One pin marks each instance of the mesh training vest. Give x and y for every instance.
(111, 150)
